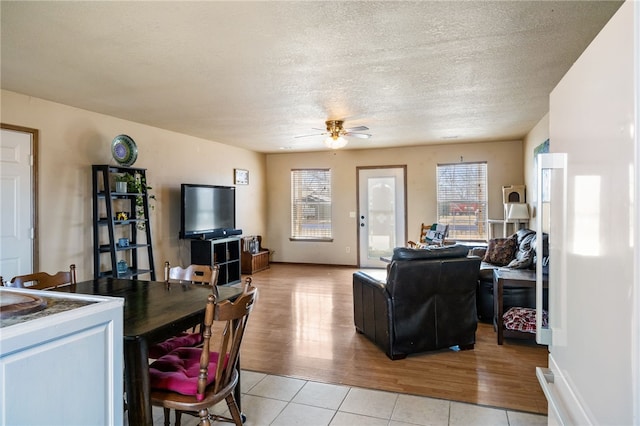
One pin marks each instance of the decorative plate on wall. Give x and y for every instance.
(124, 150)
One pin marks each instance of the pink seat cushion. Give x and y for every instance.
(183, 340)
(178, 371)
(523, 319)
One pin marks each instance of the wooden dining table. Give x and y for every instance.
(153, 312)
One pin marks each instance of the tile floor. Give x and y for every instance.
(283, 401)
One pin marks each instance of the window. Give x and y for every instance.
(311, 204)
(462, 199)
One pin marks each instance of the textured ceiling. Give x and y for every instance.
(256, 74)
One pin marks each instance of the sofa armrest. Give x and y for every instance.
(374, 278)
(372, 307)
(478, 252)
(368, 291)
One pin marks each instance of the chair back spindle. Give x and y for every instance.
(192, 274)
(43, 280)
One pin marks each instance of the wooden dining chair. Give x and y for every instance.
(43, 280)
(424, 231)
(193, 274)
(193, 379)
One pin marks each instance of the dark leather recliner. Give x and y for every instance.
(427, 302)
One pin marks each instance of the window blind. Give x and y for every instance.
(311, 204)
(462, 199)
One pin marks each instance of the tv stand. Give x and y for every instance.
(218, 234)
(224, 252)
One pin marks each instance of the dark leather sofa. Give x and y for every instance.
(426, 302)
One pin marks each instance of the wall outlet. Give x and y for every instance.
(348, 249)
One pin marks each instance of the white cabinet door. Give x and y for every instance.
(65, 368)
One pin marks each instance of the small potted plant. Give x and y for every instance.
(136, 184)
(121, 183)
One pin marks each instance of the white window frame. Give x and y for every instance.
(462, 199)
(311, 199)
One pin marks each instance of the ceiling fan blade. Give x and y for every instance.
(358, 135)
(313, 134)
(357, 129)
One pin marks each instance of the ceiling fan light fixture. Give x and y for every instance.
(335, 142)
(336, 134)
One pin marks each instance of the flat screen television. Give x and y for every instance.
(207, 211)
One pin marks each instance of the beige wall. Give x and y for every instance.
(71, 140)
(504, 168)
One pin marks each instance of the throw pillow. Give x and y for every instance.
(500, 251)
(525, 253)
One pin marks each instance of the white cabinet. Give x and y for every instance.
(63, 364)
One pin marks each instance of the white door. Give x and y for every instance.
(381, 213)
(16, 215)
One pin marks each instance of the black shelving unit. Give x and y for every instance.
(224, 252)
(108, 229)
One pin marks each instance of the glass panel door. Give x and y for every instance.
(381, 214)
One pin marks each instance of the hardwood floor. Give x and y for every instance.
(302, 327)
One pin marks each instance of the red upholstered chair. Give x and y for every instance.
(43, 280)
(193, 274)
(194, 379)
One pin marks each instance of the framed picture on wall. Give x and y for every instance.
(241, 177)
(543, 148)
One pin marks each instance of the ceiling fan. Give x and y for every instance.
(336, 133)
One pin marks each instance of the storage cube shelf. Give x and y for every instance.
(224, 252)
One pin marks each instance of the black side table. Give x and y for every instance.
(510, 278)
